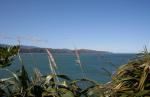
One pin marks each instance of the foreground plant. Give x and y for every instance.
(51, 85)
(7, 54)
(130, 80)
(133, 78)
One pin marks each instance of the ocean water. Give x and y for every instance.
(96, 66)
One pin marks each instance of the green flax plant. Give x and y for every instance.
(7, 54)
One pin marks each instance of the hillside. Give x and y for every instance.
(33, 49)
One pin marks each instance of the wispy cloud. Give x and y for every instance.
(29, 39)
(2, 36)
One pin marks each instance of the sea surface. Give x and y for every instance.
(95, 66)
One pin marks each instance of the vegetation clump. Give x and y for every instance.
(133, 78)
(6, 55)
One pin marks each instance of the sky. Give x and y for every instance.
(121, 26)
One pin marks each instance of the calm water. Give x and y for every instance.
(93, 64)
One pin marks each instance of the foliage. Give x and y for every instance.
(52, 85)
(133, 78)
(130, 80)
(6, 55)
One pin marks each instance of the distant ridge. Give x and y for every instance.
(34, 49)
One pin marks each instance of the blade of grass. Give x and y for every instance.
(78, 61)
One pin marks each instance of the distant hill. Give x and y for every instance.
(33, 49)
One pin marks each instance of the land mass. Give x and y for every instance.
(34, 49)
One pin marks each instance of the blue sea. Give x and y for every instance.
(96, 66)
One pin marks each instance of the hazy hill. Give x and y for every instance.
(33, 49)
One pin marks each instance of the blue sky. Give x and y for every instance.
(110, 25)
